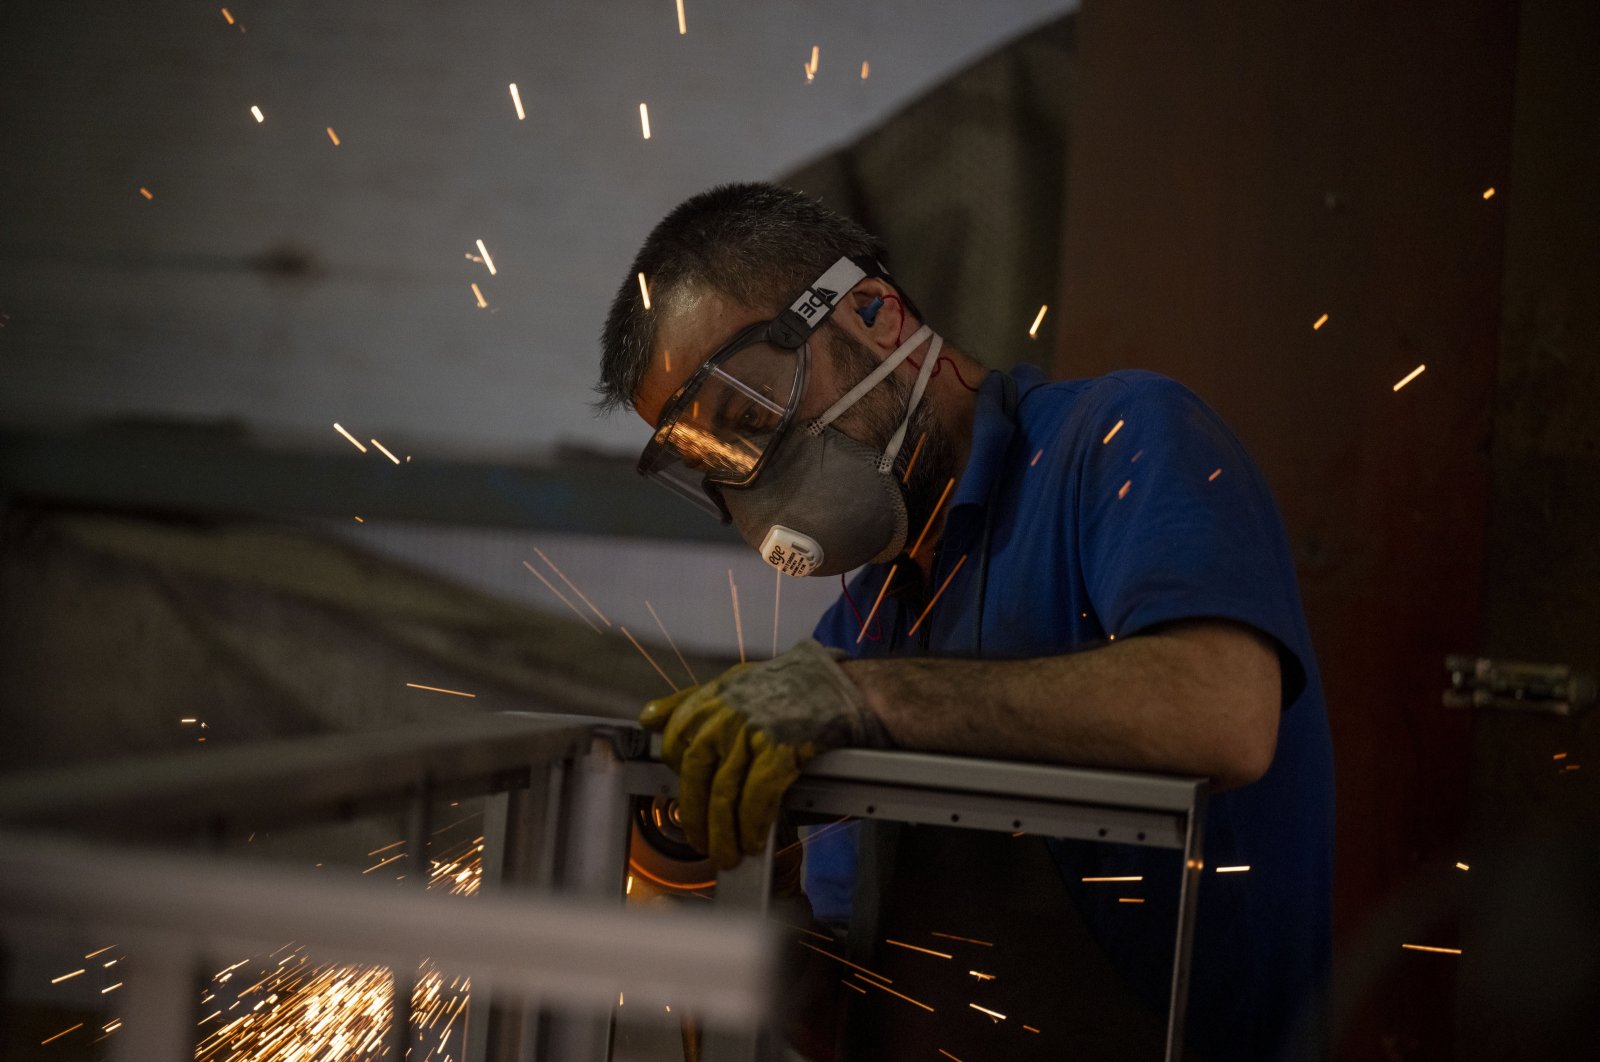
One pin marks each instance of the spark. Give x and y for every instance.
(1112, 433)
(65, 977)
(437, 689)
(994, 1014)
(1122, 492)
(1488, 193)
(487, 261)
(902, 995)
(60, 1034)
(188, 720)
(1462, 866)
(932, 517)
(1033, 332)
(384, 862)
(1030, 1028)
(777, 599)
(644, 120)
(913, 947)
(483, 304)
(884, 589)
(1214, 475)
(937, 594)
(1424, 947)
(1127, 877)
(357, 443)
(916, 451)
(816, 55)
(667, 356)
(981, 976)
(551, 587)
(333, 136)
(111, 988)
(1234, 870)
(852, 984)
(1559, 756)
(948, 1055)
(1036, 457)
(652, 661)
(146, 193)
(864, 70)
(359, 520)
(619, 999)
(516, 101)
(1412, 375)
(847, 962)
(574, 589)
(644, 291)
(964, 940)
(257, 112)
(683, 26)
(385, 848)
(628, 890)
(227, 16)
(1129, 899)
(384, 450)
(672, 643)
(1136, 455)
(738, 627)
(809, 932)
(1319, 323)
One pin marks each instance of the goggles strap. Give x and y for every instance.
(873, 379)
(886, 462)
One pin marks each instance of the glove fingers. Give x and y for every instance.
(695, 774)
(722, 808)
(658, 713)
(685, 724)
(773, 769)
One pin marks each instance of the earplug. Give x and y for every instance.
(869, 312)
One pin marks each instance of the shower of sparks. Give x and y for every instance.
(516, 101)
(437, 689)
(1214, 475)
(738, 627)
(847, 962)
(1488, 193)
(1129, 899)
(866, 624)
(1036, 457)
(1112, 434)
(483, 304)
(60, 1034)
(687, 669)
(916, 451)
(644, 291)
(644, 120)
(993, 1014)
(65, 977)
(777, 599)
(1462, 866)
(384, 450)
(1033, 331)
(1425, 947)
(146, 193)
(563, 577)
(913, 947)
(1234, 870)
(902, 995)
(932, 517)
(1127, 877)
(683, 26)
(357, 443)
(980, 975)
(487, 261)
(1317, 325)
(864, 70)
(1122, 492)
(257, 112)
(1412, 375)
(227, 16)
(964, 940)
(652, 662)
(333, 136)
(551, 587)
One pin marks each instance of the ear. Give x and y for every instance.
(876, 315)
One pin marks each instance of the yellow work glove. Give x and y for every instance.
(738, 742)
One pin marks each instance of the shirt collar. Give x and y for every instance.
(993, 429)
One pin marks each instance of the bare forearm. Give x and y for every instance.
(1197, 699)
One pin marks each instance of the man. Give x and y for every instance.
(1087, 572)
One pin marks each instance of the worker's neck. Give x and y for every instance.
(955, 408)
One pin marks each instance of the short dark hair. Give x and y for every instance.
(756, 243)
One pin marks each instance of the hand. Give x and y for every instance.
(738, 742)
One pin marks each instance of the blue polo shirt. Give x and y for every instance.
(1097, 509)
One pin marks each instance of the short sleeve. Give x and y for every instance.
(1176, 523)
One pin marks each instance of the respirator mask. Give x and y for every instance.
(809, 498)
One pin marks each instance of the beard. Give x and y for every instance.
(875, 417)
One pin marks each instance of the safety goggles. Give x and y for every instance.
(722, 426)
